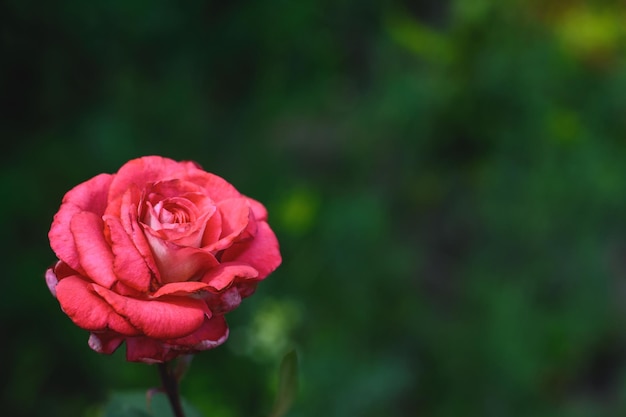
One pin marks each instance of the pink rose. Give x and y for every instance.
(155, 255)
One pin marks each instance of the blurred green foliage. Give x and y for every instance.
(447, 180)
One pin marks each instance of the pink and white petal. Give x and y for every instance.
(262, 252)
(87, 310)
(178, 263)
(181, 289)
(211, 334)
(164, 318)
(146, 350)
(94, 252)
(128, 265)
(52, 281)
(105, 342)
(224, 274)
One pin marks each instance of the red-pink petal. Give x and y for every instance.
(213, 333)
(94, 252)
(87, 310)
(180, 288)
(146, 350)
(258, 209)
(88, 196)
(216, 187)
(160, 319)
(149, 169)
(106, 342)
(178, 263)
(129, 265)
(212, 230)
(223, 302)
(235, 214)
(224, 274)
(128, 216)
(262, 252)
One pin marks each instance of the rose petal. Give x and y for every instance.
(177, 263)
(180, 288)
(129, 220)
(223, 275)
(216, 187)
(106, 342)
(261, 252)
(143, 349)
(211, 334)
(88, 196)
(87, 310)
(235, 214)
(52, 281)
(212, 230)
(258, 209)
(129, 266)
(160, 319)
(94, 252)
(184, 234)
(55, 274)
(147, 170)
(224, 302)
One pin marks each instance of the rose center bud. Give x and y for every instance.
(172, 213)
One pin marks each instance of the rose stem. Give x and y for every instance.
(170, 385)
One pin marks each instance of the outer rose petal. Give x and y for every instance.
(143, 349)
(94, 252)
(258, 209)
(224, 302)
(223, 275)
(88, 196)
(106, 342)
(213, 333)
(262, 252)
(235, 215)
(180, 288)
(216, 187)
(52, 281)
(87, 310)
(129, 266)
(160, 319)
(146, 170)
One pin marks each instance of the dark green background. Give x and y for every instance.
(447, 180)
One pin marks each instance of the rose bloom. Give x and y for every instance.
(155, 255)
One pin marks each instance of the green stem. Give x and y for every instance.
(170, 386)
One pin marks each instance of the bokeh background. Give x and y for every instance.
(447, 180)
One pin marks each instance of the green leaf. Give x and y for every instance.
(135, 404)
(287, 384)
